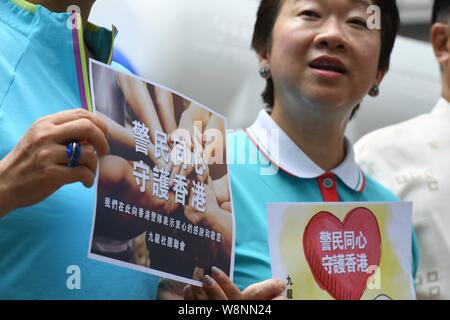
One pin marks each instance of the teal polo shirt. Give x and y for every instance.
(267, 166)
(43, 71)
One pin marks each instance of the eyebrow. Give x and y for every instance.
(361, 2)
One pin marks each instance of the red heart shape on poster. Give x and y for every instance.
(343, 255)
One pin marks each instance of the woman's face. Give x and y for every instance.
(323, 54)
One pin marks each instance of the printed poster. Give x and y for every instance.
(342, 251)
(163, 202)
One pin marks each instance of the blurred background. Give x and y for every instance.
(201, 49)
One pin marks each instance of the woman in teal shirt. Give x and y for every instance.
(45, 206)
(320, 59)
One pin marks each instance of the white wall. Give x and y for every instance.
(201, 48)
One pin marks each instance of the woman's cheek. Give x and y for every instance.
(369, 58)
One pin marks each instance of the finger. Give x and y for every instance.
(210, 189)
(186, 171)
(160, 162)
(227, 286)
(88, 156)
(212, 289)
(226, 206)
(77, 114)
(204, 177)
(214, 140)
(280, 297)
(188, 294)
(175, 171)
(197, 133)
(166, 109)
(199, 293)
(65, 175)
(264, 290)
(190, 214)
(83, 130)
(222, 190)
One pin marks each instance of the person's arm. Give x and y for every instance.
(122, 139)
(166, 109)
(138, 98)
(37, 166)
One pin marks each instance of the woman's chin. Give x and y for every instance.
(327, 100)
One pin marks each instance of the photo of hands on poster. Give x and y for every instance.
(163, 197)
(342, 251)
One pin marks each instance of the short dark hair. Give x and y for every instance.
(441, 11)
(267, 15)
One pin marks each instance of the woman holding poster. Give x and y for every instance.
(49, 151)
(320, 59)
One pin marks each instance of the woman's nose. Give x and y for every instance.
(330, 35)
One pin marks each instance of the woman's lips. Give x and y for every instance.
(328, 67)
(328, 73)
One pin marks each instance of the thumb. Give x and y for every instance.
(265, 290)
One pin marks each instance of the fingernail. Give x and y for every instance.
(208, 280)
(215, 271)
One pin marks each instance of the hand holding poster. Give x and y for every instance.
(163, 199)
(343, 251)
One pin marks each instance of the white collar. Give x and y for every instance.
(442, 107)
(268, 136)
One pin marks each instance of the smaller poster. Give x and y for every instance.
(342, 251)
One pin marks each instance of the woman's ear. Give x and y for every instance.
(439, 41)
(379, 77)
(264, 65)
(263, 60)
(375, 89)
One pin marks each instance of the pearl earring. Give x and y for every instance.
(264, 72)
(374, 91)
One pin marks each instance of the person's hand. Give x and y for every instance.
(116, 176)
(193, 121)
(222, 191)
(38, 165)
(213, 218)
(190, 130)
(218, 286)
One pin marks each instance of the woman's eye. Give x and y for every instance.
(359, 22)
(310, 13)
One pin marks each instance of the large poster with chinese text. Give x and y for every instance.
(163, 202)
(342, 251)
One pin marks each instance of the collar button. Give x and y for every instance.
(328, 183)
